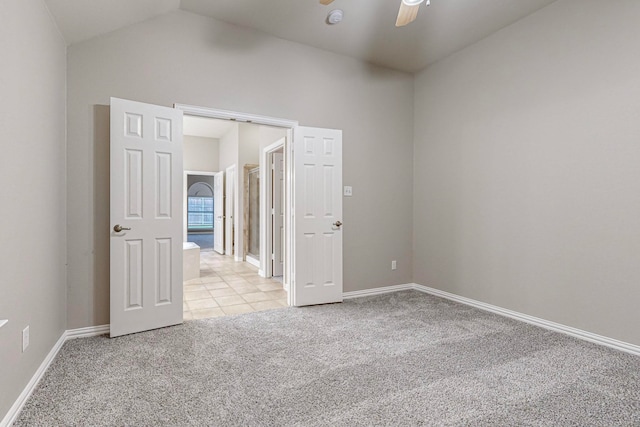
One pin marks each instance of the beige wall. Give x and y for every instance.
(144, 62)
(527, 168)
(32, 194)
(248, 154)
(229, 157)
(200, 154)
(229, 148)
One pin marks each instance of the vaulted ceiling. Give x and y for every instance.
(367, 32)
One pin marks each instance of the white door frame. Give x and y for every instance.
(265, 192)
(218, 212)
(288, 151)
(230, 205)
(185, 189)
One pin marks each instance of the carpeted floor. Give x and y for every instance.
(399, 359)
(204, 240)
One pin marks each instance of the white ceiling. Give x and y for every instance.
(206, 127)
(367, 32)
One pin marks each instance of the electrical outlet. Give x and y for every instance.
(25, 338)
(348, 191)
(394, 265)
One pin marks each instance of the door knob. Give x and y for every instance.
(118, 228)
(337, 223)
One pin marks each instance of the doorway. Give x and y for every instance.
(273, 232)
(200, 206)
(226, 204)
(146, 260)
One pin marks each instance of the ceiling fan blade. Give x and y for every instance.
(406, 14)
(326, 2)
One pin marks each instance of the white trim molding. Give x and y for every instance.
(216, 113)
(15, 409)
(377, 291)
(69, 334)
(91, 331)
(556, 327)
(253, 261)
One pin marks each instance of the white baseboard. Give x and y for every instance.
(91, 331)
(251, 260)
(556, 327)
(14, 411)
(69, 334)
(377, 291)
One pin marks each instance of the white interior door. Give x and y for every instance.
(146, 217)
(229, 207)
(277, 214)
(218, 212)
(317, 254)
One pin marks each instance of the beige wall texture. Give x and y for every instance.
(229, 152)
(200, 154)
(32, 194)
(527, 168)
(240, 70)
(229, 148)
(248, 154)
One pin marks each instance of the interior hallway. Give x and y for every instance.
(227, 287)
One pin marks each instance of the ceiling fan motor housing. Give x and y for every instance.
(335, 16)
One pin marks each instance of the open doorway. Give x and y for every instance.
(143, 291)
(146, 259)
(274, 211)
(200, 208)
(226, 202)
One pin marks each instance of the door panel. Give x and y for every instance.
(229, 208)
(146, 200)
(278, 214)
(218, 207)
(317, 173)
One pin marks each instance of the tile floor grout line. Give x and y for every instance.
(228, 287)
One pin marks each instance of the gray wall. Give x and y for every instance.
(200, 154)
(229, 148)
(241, 70)
(248, 154)
(32, 194)
(527, 168)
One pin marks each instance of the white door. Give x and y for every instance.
(218, 212)
(146, 217)
(277, 214)
(317, 207)
(229, 206)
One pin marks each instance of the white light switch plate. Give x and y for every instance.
(348, 191)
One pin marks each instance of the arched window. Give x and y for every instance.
(200, 207)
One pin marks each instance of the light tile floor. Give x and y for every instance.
(228, 287)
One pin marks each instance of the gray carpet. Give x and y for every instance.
(398, 359)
